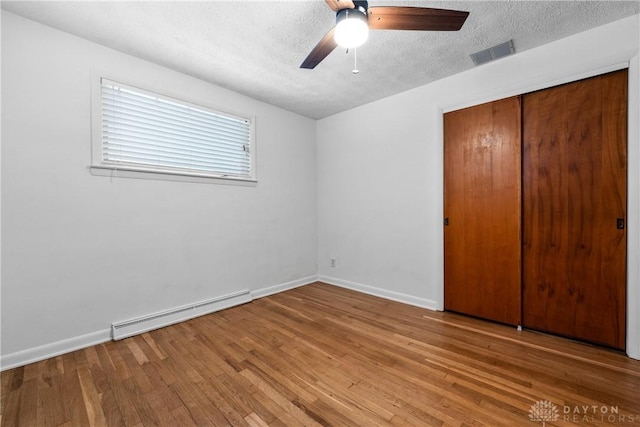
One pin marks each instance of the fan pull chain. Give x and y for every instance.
(355, 62)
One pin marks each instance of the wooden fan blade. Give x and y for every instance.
(415, 18)
(337, 5)
(322, 49)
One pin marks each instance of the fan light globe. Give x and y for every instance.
(352, 29)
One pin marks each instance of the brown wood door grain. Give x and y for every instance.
(574, 190)
(482, 204)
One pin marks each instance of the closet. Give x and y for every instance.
(535, 210)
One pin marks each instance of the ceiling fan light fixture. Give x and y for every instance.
(354, 18)
(352, 27)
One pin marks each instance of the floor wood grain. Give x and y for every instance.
(322, 355)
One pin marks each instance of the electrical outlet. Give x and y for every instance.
(333, 263)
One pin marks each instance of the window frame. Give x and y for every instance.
(99, 168)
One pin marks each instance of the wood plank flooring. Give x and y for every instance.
(322, 355)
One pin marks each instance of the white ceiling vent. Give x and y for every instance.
(498, 51)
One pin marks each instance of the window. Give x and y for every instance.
(142, 131)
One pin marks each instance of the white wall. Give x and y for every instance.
(380, 185)
(81, 251)
(376, 205)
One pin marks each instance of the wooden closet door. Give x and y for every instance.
(574, 190)
(482, 245)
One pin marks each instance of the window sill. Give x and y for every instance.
(129, 172)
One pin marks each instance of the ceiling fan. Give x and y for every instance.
(355, 18)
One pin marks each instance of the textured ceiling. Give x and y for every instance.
(256, 47)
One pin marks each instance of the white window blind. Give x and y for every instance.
(146, 131)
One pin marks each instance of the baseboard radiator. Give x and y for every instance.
(139, 325)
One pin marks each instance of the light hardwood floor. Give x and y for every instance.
(322, 355)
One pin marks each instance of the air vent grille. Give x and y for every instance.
(498, 51)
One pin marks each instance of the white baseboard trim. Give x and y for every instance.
(270, 290)
(382, 293)
(46, 351)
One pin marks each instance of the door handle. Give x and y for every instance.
(620, 223)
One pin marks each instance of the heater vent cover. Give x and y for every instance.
(498, 51)
(139, 325)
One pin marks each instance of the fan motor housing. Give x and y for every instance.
(359, 12)
(361, 4)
